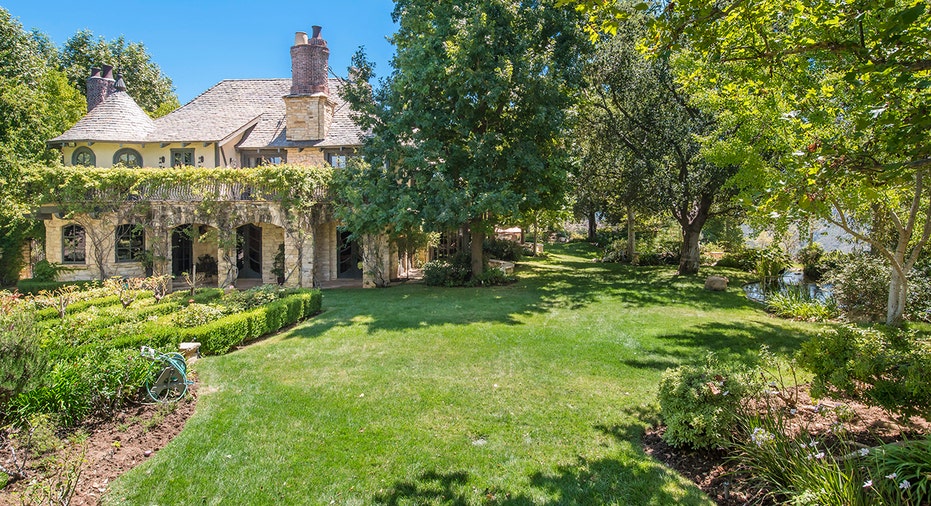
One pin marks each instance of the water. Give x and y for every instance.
(793, 278)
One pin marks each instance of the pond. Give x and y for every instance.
(789, 280)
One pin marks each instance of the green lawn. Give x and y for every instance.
(534, 393)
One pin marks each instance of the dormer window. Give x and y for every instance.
(83, 156)
(127, 157)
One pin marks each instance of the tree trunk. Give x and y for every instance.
(689, 254)
(592, 226)
(898, 291)
(632, 256)
(477, 238)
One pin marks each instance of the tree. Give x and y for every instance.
(145, 82)
(36, 104)
(845, 89)
(640, 115)
(469, 128)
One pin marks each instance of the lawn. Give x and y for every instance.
(533, 393)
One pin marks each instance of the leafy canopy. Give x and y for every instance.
(470, 124)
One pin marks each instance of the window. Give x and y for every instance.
(337, 161)
(259, 158)
(128, 157)
(83, 156)
(72, 244)
(337, 158)
(182, 157)
(130, 241)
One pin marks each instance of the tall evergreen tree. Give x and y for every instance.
(470, 127)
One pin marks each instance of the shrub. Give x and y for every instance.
(252, 298)
(861, 287)
(276, 315)
(195, 314)
(115, 376)
(771, 262)
(810, 257)
(799, 470)
(699, 403)
(503, 249)
(313, 303)
(742, 258)
(453, 272)
(22, 358)
(47, 271)
(220, 336)
(796, 302)
(491, 277)
(33, 286)
(65, 393)
(887, 368)
(616, 252)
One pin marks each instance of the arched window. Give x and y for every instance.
(127, 157)
(84, 156)
(72, 244)
(130, 241)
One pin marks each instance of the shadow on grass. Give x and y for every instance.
(584, 482)
(738, 340)
(564, 280)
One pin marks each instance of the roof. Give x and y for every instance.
(116, 119)
(214, 115)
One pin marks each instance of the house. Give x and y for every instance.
(236, 123)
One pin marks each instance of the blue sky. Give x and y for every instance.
(199, 43)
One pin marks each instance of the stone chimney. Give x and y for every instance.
(308, 109)
(100, 85)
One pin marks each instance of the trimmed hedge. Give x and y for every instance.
(222, 335)
(31, 286)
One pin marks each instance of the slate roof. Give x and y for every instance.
(214, 115)
(116, 119)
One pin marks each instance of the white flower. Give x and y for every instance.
(905, 485)
(726, 392)
(793, 411)
(892, 476)
(819, 455)
(761, 436)
(864, 452)
(867, 483)
(812, 443)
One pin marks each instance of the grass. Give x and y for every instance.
(533, 393)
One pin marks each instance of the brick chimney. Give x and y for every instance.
(100, 85)
(308, 109)
(310, 64)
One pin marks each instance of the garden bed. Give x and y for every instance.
(726, 482)
(113, 446)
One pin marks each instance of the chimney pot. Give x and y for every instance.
(106, 71)
(316, 31)
(95, 72)
(300, 38)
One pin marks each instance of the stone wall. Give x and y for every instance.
(311, 157)
(100, 236)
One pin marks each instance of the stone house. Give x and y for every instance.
(236, 123)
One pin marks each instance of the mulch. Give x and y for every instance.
(727, 483)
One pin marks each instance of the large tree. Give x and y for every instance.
(845, 88)
(642, 117)
(469, 128)
(146, 83)
(36, 104)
